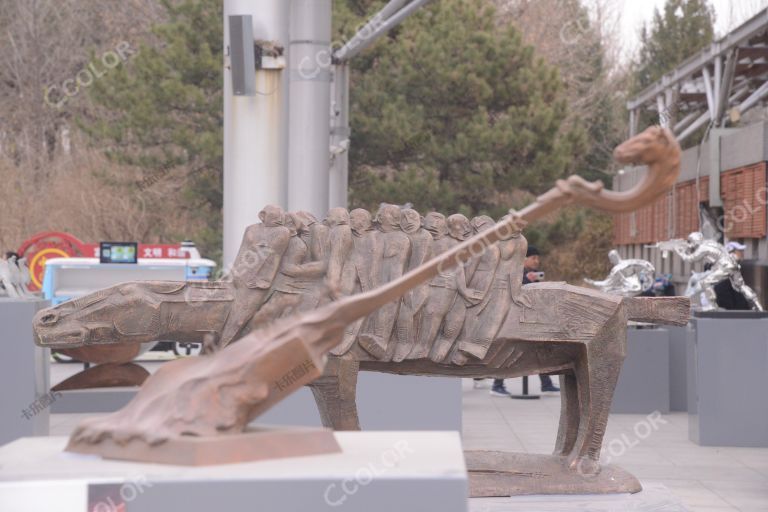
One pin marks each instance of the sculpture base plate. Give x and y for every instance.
(252, 445)
(496, 474)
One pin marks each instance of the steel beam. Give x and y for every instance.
(753, 98)
(704, 118)
(725, 88)
(718, 84)
(708, 89)
(662, 109)
(693, 64)
(684, 122)
(344, 54)
(369, 28)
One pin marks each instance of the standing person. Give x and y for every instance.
(727, 296)
(531, 275)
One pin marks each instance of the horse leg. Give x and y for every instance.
(569, 415)
(596, 373)
(335, 394)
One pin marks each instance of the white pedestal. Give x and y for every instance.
(24, 403)
(376, 472)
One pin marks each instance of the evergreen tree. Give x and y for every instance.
(683, 28)
(163, 110)
(452, 112)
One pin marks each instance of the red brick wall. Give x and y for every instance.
(744, 192)
(744, 196)
(687, 205)
(652, 222)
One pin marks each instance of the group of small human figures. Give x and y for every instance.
(292, 262)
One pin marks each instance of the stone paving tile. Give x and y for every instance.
(695, 495)
(655, 498)
(741, 494)
(704, 478)
(751, 457)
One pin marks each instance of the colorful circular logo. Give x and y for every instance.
(37, 265)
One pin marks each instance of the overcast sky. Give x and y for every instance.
(633, 13)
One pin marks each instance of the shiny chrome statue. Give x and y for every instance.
(627, 278)
(14, 277)
(701, 285)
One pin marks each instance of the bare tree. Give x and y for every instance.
(582, 40)
(44, 43)
(737, 13)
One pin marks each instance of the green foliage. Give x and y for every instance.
(162, 109)
(451, 111)
(683, 28)
(574, 245)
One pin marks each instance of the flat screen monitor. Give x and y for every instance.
(118, 252)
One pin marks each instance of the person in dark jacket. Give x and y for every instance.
(727, 296)
(531, 274)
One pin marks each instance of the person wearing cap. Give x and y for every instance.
(531, 274)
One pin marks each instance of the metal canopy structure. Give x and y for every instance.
(719, 83)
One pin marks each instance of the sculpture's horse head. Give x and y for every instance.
(134, 312)
(650, 146)
(120, 313)
(655, 147)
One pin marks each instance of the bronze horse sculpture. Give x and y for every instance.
(554, 328)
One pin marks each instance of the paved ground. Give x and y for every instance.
(656, 449)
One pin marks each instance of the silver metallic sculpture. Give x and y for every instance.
(627, 278)
(14, 277)
(701, 285)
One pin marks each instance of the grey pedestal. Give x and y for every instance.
(384, 402)
(727, 368)
(23, 372)
(99, 400)
(678, 361)
(643, 385)
(375, 472)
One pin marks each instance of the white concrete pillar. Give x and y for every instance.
(255, 127)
